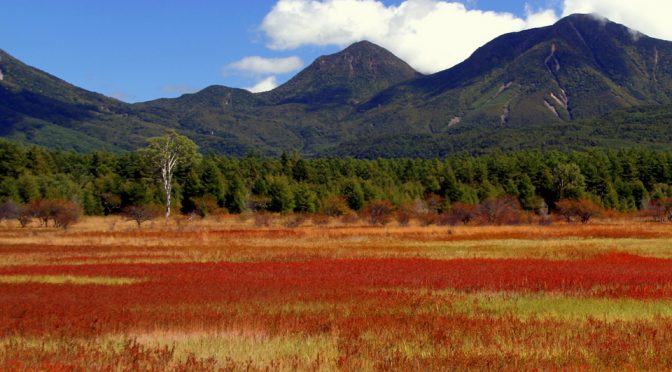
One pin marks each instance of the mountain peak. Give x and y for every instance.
(595, 24)
(585, 17)
(582, 66)
(349, 76)
(364, 46)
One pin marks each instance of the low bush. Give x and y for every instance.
(142, 213)
(62, 212)
(582, 210)
(379, 212)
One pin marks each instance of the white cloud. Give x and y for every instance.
(431, 35)
(267, 66)
(264, 85)
(648, 16)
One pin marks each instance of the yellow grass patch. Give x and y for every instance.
(67, 279)
(275, 352)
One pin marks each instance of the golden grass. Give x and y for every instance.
(99, 240)
(565, 308)
(113, 240)
(67, 279)
(241, 347)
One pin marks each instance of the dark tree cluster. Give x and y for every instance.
(470, 187)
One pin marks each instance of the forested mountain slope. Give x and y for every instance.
(583, 82)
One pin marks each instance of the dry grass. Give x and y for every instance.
(66, 279)
(114, 240)
(222, 293)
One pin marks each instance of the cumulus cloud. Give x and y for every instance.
(431, 35)
(267, 66)
(648, 16)
(264, 85)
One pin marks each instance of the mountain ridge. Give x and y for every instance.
(580, 68)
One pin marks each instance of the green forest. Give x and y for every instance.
(103, 183)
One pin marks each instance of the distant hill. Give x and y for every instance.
(582, 82)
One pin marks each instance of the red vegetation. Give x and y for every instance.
(368, 306)
(40, 309)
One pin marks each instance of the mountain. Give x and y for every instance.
(303, 114)
(582, 66)
(346, 78)
(38, 108)
(582, 82)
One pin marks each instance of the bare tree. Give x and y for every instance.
(501, 210)
(141, 213)
(379, 212)
(166, 152)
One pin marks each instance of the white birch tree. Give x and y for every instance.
(166, 152)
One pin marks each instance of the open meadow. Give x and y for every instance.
(221, 293)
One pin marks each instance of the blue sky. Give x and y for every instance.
(146, 49)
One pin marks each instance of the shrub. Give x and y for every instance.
(459, 212)
(24, 218)
(502, 210)
(207, 205)
(66, 213)
(40, 209)
(335, 206)
(62, 212)
(435, 203)
(142, 213)
(428, 218)
(404, 215)
(10, 210)
(379, 212)
(582, 209)
(661, 209)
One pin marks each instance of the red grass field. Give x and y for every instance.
(223, 295)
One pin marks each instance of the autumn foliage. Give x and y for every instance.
(234, 297)
(62, 213)
(379, 212)
(578, 210)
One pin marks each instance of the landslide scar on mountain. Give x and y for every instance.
(551, 108)
(562, 101)
(556, 65)
(503, 88)
(553, 66)
(656, 60)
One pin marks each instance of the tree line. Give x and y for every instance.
(104, 183)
